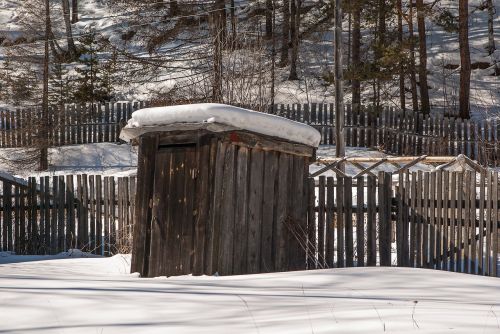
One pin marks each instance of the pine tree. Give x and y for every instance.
(91, 85)
(59, 85)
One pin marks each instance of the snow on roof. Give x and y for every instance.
(151, 119)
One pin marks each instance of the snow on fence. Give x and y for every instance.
(388, 129)
(438, 220)
(49, 215)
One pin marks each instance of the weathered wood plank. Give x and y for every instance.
(17, 220)
(98, 219)
(212, 250)
(371, 222)
(495, 224)
(473, 224)
(312, 261)
(445, 221)
(413, 218)
(349, 243)
(321, 221)
(106, 204)
(426, 222)
(419, 220)
(91, 206)
(360, 222)
(177, 209)
(460, 222)
(202, 213)
(159, 223)
(488, 222)
(187, 223)
(268, 211)
(385, 222)
(453, 222)
(255, 210)
(70, 212)
(7, 216)
(439, 219)
(225, 263)
(340, 222)
(282, 212)
(400, 192)
(480, 231)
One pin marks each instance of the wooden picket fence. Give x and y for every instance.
(48, 215)
(387, 129)
(438, 220)
(72, 124)
(401, 133)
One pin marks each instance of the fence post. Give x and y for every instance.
(312, 262)
(384, 202)
(371, 227)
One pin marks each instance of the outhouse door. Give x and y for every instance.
(173, 210)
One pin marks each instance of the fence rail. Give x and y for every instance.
(387, 129)
(53, 214)
(438, 220)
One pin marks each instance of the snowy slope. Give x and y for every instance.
(315, 59)
(96, 295)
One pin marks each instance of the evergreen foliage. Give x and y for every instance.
(92, 83)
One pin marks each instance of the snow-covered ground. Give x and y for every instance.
(102, 158)
(97, 295)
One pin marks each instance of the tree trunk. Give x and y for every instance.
(219, 19)
(285, 38)
(220, 5)
(174, 8)
(356, 57)
(339, 87)
(294, 25)
(382, 28)
(233, 25)
(349, 38)
(273, 55)
(44, 165)
(465, 68)
(74, 8)
(402, 96)
(413, 79)
(69, 32)
(422, 70)
(491, 32)
(269, 18)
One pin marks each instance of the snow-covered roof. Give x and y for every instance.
(203, 115)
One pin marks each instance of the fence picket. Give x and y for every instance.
(340, 222)
(371, 222)
(349, 243)
(321, 221)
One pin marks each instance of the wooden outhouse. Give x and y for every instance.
(220, 190)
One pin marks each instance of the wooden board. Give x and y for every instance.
(360, 222)
(321, 221)
(371, 227)
(267, 263)
(330, 222)
(255, 211)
